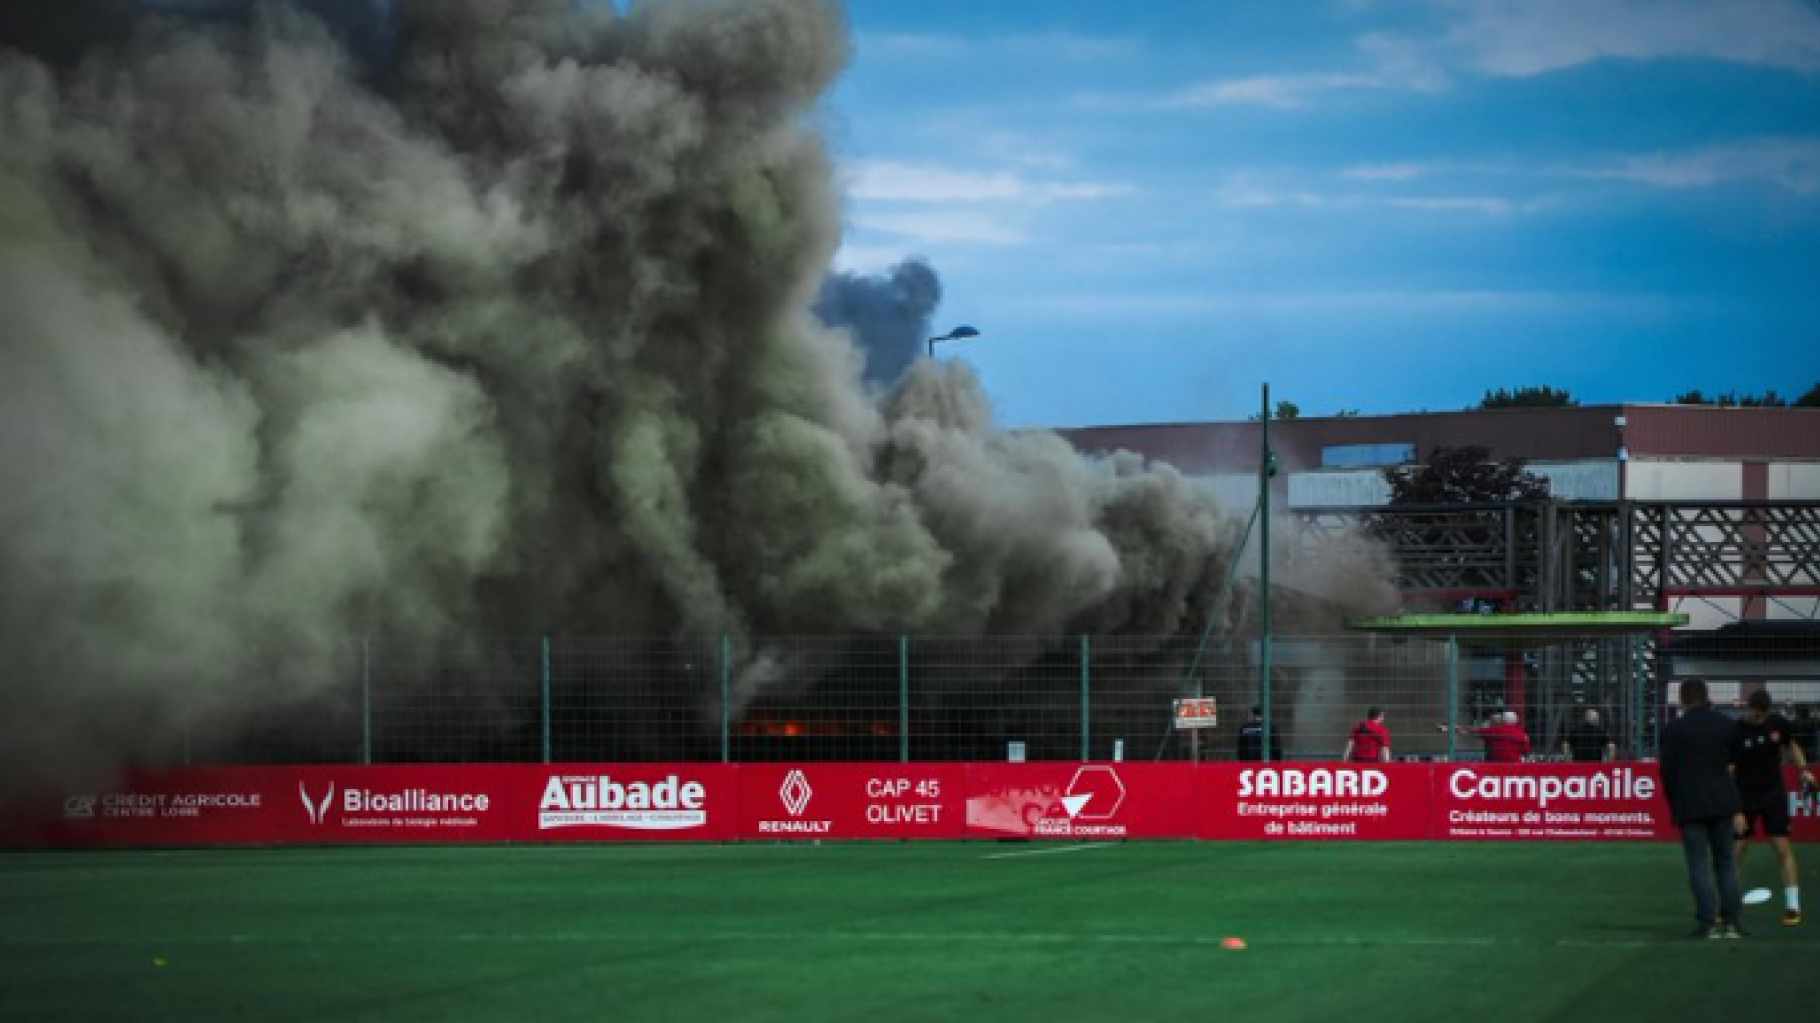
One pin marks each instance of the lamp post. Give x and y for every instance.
(960, 333)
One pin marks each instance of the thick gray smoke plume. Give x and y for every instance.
(886, 314)
(510, 336)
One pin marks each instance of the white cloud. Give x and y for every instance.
(941, 227)
(1387, 63)
(908, 44)
(930, 183)
(1051, 46)
(1528, 37)
(1391, 65)
(1140, 305)
(1487, 205)
(1250, 191)
(1243, 191)
(1281, 91)
(1399, 62)
(1387, 171)
(1023, 149)
(1070, 46)
(1163, 250)
(1793, 164)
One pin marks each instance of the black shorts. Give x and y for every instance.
(1771, 808)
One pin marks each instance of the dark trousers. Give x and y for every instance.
(1707, 844)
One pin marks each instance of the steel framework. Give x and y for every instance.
(1590, 556)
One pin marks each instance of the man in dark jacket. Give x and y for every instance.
(1590, 740)
(1251, 737)
(1696, 751)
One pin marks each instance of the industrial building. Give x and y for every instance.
(1713, 512)
(1682, 459)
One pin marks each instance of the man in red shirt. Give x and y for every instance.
(1369, 742)
(1505, 740)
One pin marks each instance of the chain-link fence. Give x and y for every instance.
(916, 698)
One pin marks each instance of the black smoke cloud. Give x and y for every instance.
(886, 314)
(509, 336)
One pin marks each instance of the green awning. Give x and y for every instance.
(1530, 628)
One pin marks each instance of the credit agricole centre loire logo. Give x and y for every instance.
(601, 801)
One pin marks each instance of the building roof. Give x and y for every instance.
(1568, 433)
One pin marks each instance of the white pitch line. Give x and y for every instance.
(1048, 851)
(784, 938)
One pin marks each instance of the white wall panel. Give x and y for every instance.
(1587, 480)
(1794, 481)
(1684, 481)
(1707, 612)
(1792, 609)
(1338, 488)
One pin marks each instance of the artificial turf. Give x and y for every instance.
(881, 932)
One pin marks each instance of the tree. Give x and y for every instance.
(1284, 410)
(1464, 475)
(1811, 399)
(1768, 399)
(1527, 397)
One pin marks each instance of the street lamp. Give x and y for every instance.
(960, 333)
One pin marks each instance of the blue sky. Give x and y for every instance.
(1151, 208)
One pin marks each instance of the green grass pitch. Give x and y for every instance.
(891, 931)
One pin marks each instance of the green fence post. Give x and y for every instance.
(545, 700)
(1266, 469)
(903, 699)
(366, 701)
(1453, 693)
(726, 709)
(1086, 721)
(1638, 694)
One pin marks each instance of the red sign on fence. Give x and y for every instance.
(1550, 802)
(852, 800)
(182, 806)
(433, 803)
(683, 801)
(277, 804)
(415, 803)
(1064, 800)
(651, 802)
(1314, 801)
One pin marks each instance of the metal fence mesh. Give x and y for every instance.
(972, 698)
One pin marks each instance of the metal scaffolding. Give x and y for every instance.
(1574, 556)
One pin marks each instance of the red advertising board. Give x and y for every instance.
(684, 801)
(1315, 801)
(415, 803)
(852, 800)
(171, 807)
(276, 804)
(1072, 801)
(620, 802)
(1550, 802)
(1803, 810)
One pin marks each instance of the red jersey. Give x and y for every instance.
(1369, 741)
(1504, 743)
